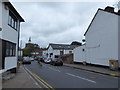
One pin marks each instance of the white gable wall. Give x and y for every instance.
(102, 39)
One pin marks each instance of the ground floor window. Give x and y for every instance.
(8, 50)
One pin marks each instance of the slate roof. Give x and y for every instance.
(63, 46)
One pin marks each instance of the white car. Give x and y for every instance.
(48, 60)
(26, 60)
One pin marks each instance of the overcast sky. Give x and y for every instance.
(56, 22)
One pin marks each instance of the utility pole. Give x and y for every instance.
(21, 50)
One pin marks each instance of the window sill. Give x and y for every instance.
(12, 27)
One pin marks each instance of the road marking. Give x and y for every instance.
(46, 85)
(36, 78)
(81, 77)
(54, 69)
(32, 79)
(45, 82)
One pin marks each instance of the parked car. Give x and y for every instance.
(41, 59)
(48, 60)
(56, 61)
(26, 60)
(31, 59)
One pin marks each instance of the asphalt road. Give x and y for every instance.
(67, 77)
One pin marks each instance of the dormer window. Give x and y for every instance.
(12, 20)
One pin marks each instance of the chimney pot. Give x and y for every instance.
(109, 9)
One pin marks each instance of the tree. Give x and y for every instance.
(30, 48)
(26, 52)
(76, 43)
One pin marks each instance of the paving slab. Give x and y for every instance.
(19, 80)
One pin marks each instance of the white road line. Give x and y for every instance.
(54, 69)
(31, 77)
(81, 77)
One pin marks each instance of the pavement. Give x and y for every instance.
(96, 69)
(19, 80)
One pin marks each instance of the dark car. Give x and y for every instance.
(56, 61)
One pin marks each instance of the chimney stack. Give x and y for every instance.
(118, 12)
(109, 9)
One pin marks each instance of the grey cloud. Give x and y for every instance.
(56, 22)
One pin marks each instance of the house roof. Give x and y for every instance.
(63, 46)
(10, 6)
(109, 11)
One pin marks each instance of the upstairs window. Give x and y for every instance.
(12, 21)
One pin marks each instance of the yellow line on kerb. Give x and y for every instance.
(41, 80)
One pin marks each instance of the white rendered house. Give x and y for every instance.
(59, 49)
(102, 37)
(10, 21)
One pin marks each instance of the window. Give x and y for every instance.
(10, 48)
(70, 52)
(61, 52)
(7, 49)
(12, 20)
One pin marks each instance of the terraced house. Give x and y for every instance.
(10, 21)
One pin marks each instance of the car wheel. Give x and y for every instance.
(61, 64)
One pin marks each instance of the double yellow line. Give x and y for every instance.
(46, 85)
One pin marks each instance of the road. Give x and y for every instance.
(67, 77)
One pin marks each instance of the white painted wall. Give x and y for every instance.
(57, 52)
(10, 62)
(79, 54)
(11, 35)
(102, 39)
(8, 33)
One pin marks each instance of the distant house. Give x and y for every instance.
(102, 38)
(60, 49)
(10, 21)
